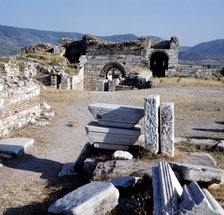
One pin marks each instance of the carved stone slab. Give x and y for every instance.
(152, 104)
(167, 128)
(100, 134)
(116, 115)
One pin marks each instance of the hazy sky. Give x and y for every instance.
(193, 21)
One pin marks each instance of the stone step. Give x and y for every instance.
(15, 146)
(93, 198)
(116, 115)
(120, 136)
(195, 200)
(166, 190)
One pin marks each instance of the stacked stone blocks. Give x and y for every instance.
(19, 104)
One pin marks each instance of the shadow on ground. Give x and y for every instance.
(56, 187)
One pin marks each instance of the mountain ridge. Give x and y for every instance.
(12, 39)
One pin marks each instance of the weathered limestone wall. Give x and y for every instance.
(125, 56)
(19, 103)
(75, 82)
(194, 72)
(96, 63)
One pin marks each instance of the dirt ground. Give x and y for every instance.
(29, 184)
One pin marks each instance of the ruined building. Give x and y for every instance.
(111, 62)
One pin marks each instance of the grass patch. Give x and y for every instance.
(184, 82)
(51, 59)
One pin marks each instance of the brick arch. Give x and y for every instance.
(107, 67)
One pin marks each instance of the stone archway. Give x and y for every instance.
(159, 64)
(110, 67)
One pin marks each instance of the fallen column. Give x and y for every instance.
(166, 190)
(167, 128)
(198, 201)
(151, 106)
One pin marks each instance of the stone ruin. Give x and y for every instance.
(175, 186)
(107, 66)
(110, 63)
(19, 103)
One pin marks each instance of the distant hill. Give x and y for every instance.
(12, 39)
(204, 51)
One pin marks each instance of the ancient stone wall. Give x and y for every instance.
(19, 103)
(194, 72)
(125, 56)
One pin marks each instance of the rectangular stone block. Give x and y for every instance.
(93, 198)
(167, 128)
(111, 146)
(198, 173)
(113, 115)
(16, 146)
(151, 130)
(109, 135)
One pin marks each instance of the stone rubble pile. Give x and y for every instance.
(171, 198)
(115, 128)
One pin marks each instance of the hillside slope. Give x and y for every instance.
(204, 51)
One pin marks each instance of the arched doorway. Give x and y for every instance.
(112, 73)
(113, 70)
(158, 64)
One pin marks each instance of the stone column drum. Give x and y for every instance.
(167, 128)
(151, 131)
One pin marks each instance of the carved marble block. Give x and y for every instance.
(151, 106)
(167, 128)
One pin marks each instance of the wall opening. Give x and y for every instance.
(113, 73)
(113, 70)
(158, 64)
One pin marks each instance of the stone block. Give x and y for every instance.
(93, 198)
(151, 130)
(116, 115)
(82, 156)
(109, 135)
(167, 128)
(67, 170)
(124, 182)
(166, 190)
(204, 155)
(197, 201)
(220, 146)
(15, 146)
(111, 146)
(100, 85)
(198, 173)
(122, 155)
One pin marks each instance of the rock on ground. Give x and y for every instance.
(122, 155)
(93, 198)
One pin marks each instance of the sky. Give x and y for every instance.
(192, 21)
